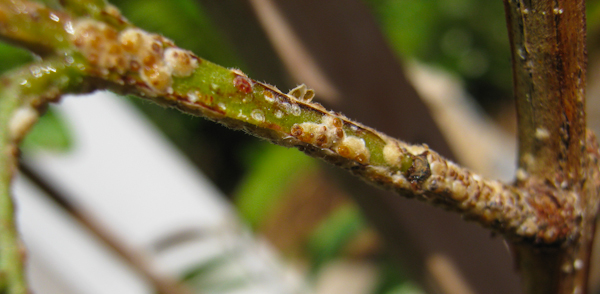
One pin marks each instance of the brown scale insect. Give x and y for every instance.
(296, 131)
(243, 84)
(337, 123)
(343, 151)
(361, 158)
(134, 65)
(321, 140)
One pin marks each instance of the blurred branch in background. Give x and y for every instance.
(161, 283)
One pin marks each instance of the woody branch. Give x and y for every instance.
(107, 52)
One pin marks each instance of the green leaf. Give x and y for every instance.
(49, 133)
(393, 278)
(13, 57)
(406, 288)
(273, 169)
(213, 275)
(331, 236)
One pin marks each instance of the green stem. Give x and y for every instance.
(131, 61)
(33, 26)
(11, 265)
(23, 93)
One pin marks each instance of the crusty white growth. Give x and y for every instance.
(392, 154)
(278, 113)
(152, 56)
(330, 134)
(354, 147)
(438, 168)
(21, 122)
(327, 134)
(416, 149)
(192, 96)
(542, 134)
(521, 174)
(133, 39)
(181, 62)
(97, 41)
(258, 115)
(295, 110)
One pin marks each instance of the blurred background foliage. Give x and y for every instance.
(465, 37)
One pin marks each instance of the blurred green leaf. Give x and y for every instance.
(392, 277)
(331, 236)
(408, 24)
(54, 4)
(405, 288)
(466, 37)
(205, 268)
(49, 133)
(211, 276)
(13, 56)
(593, 16)
(273, 169)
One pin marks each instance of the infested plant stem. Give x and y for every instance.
(23, 94)
(548, 40)
(132, 61)
(551, 205)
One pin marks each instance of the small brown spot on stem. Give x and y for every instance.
(93, 59)
(149, 60)
(419, 170)
(337, 123)
(321, 140)
(361, 158)
(134, 65)
(296, 131)
(156, 47)
(343, 151)
(243, 84)
(110, 34)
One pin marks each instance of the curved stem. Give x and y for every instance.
(23, 94)
(548, 214)
(132, 61)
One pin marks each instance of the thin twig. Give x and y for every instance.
(140, 263)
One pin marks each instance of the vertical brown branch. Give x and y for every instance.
(549, 62)
(549, 66)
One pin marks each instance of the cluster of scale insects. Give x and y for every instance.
(153, 57)
(156, 60)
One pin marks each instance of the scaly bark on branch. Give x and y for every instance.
(102, 46)
(549, 65)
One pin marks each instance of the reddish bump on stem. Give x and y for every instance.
(243, 84)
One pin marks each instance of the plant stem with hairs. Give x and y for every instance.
(548, 215)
